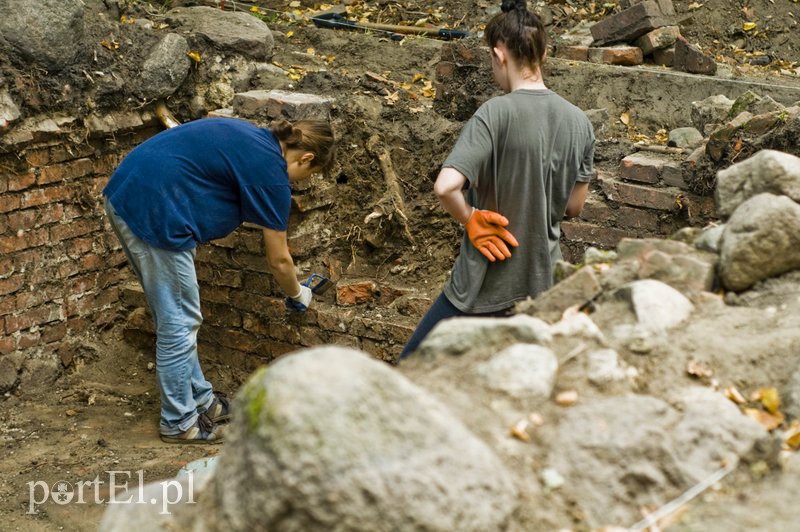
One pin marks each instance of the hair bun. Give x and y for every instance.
(511, 5)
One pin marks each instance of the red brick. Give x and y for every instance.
(37, 316)
(22, 181)
(664, 57)
(658, 39)
(77, 325)
(573, 53)
(34, 298)
(605, 237)
(78, 246)
(617, 55)
(215, 294)
(7, 343)
(11, 284)
(219, 276)
(40, 196)
(92, 261)
(66, 171)
(641, 168)
(221, 315)
(691, 59)
(356, 293)
(36, 217)
(8, 304)
(54, 332)
(73, 229)
(664, 199)
(105, 165)
(28, 340)
(23, 240)
(630, 23)
(9, 202)
(106, 297)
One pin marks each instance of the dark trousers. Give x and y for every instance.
(441, 310)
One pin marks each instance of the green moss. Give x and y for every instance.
(255, 399)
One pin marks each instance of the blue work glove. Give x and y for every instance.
(301, 301)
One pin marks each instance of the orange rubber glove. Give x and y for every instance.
(486, 231)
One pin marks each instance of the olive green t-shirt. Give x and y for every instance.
(522, 154)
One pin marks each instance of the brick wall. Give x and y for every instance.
(60, 265)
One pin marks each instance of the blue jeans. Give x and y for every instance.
(441, 310)
(170, 284)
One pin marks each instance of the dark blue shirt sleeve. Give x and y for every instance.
(267, 206)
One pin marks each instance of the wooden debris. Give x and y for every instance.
(390, 210)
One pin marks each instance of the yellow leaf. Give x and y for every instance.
(765, 419)
(520, 431)
(771, 400)
(792, 436)
(111, 45)
(255, 9)
(296, 3)
(734, 395)
(417, 77)
(290, 34)
(625, 118)
(749, 26)
(310, 51)
(194, 55)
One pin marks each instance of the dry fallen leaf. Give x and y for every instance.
(625, 118)
(770, 399)
(520, 431)
(769, 421)
(698, 369)
(567, 398)
(194, 55)
(749, 26)
(70, 412)
(792, 436)
(735, 395)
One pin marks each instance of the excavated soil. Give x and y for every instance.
(103, 415)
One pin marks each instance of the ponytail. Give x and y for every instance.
(314, 136)
(521, 31)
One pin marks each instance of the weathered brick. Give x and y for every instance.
(77, 325)
(316, 199)
(54, 332)
(665, 57)
(41, 196)
(78, 246)
(7, 343)
(62, 172)
(105, 165)
(617, 55)
(9, 285)
(33, 298)
(219, 276)
(23, 240)
(689, 58)
(381, 330)
(459, 52)
(356, 292)
(630, 24)
(641, 168)
(573, 53)
(37, 316)
(597, 235)
(282, 104)
(9, 202)
(30, 218)
(664, 199)
(266, 306)
(672, 175)
(658, 39)
(21, 181)
(221, 315)
(73, 229)
(28, 339)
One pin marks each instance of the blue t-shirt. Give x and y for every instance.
(200, 181)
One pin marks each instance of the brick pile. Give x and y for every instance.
(60, 265)
(642, 29)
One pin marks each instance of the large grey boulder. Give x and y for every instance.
(685, 137)
(766, 171)
(658, 306)
(525, 372)
(621, 453)
(761, 240)
(44, 32)
(331, 439)
(235, 32)
(457, 336)
(712, 110)
(165, 68)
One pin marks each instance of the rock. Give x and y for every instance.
(38, 374)
(719, 140)
(525, 372)
(9, 112)
(282, 104)
(603, 367)
(356, 293)
(622, 55)
(745, 102)
(766, 171)
(658, 39)
(579, 35)
(167, 505)
(630, 23)
(761, 240)
(792, 395)
(236, 32)
(709, 239)
(575, 290)
(457, 336)
(552, 479)
(44, 32)
(578, 325)
(165, 68)
(412, 306)
(599, 118)
(592, 255)
(643, 452)
(712, 110)
(765, 105)
(641, 168)
(292, 462)
(10, 367)
(658, 306)
(685, 137)
(675, 263)
(689, 58)
(711, 430)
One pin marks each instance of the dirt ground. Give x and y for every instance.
(103, 415)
